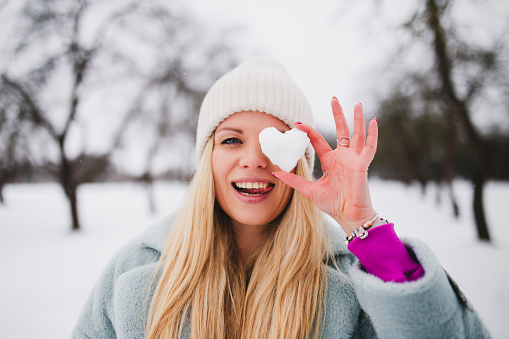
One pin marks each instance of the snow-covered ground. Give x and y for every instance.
(47, 271)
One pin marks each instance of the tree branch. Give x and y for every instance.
(36, 113)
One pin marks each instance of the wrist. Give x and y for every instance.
(350, 226)
(362, 231)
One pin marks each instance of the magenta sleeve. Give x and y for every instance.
(383, 254)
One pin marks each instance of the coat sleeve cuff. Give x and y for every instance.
(383, 254)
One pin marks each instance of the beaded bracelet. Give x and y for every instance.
(361, 232)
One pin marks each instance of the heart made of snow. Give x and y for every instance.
(283, 149)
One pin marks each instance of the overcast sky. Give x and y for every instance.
(332, 47)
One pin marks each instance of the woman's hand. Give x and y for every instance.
(342, 192)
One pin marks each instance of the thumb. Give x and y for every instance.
(294, 181)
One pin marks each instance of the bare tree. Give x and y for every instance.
(460, 105)
(460, 76)
(54, 20)
(80, 49)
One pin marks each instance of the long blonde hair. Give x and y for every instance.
(279, 293)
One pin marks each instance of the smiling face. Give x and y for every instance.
(244, 185)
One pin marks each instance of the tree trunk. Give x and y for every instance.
(449, 158)
(454, 202)
(479, 180)
(147, 180)
(149, 188)
(2, 201)
(68, 184)
(73, 203)
(480, 219)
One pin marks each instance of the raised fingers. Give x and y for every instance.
(368, 152)
(317, 141)
(359, 131)
(340, 120)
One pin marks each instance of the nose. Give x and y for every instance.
(253, 157)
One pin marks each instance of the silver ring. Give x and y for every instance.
(343, 144)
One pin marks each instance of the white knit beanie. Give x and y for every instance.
(256, 85)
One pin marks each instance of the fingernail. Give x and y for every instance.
(298, 123)
(334, 98)
(274, 175)
(376, 119)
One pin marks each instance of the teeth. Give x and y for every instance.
(251, 184)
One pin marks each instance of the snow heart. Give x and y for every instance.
(283, 149)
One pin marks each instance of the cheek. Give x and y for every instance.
(220, 169)
(222, 162)
(285, 197)
(217, 164)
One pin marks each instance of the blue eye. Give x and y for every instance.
(230, 141)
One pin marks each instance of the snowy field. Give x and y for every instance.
(47, 271)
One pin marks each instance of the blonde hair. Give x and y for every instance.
(279, 293)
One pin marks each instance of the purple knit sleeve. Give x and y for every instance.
(383, 254)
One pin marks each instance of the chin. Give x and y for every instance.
(253, 217)
(252, 220)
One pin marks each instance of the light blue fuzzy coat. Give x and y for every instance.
(428, 308)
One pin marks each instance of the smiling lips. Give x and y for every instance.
(252, 189)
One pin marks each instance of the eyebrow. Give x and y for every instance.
(240, 131)
(229, 129)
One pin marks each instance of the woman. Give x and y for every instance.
(249, 255)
